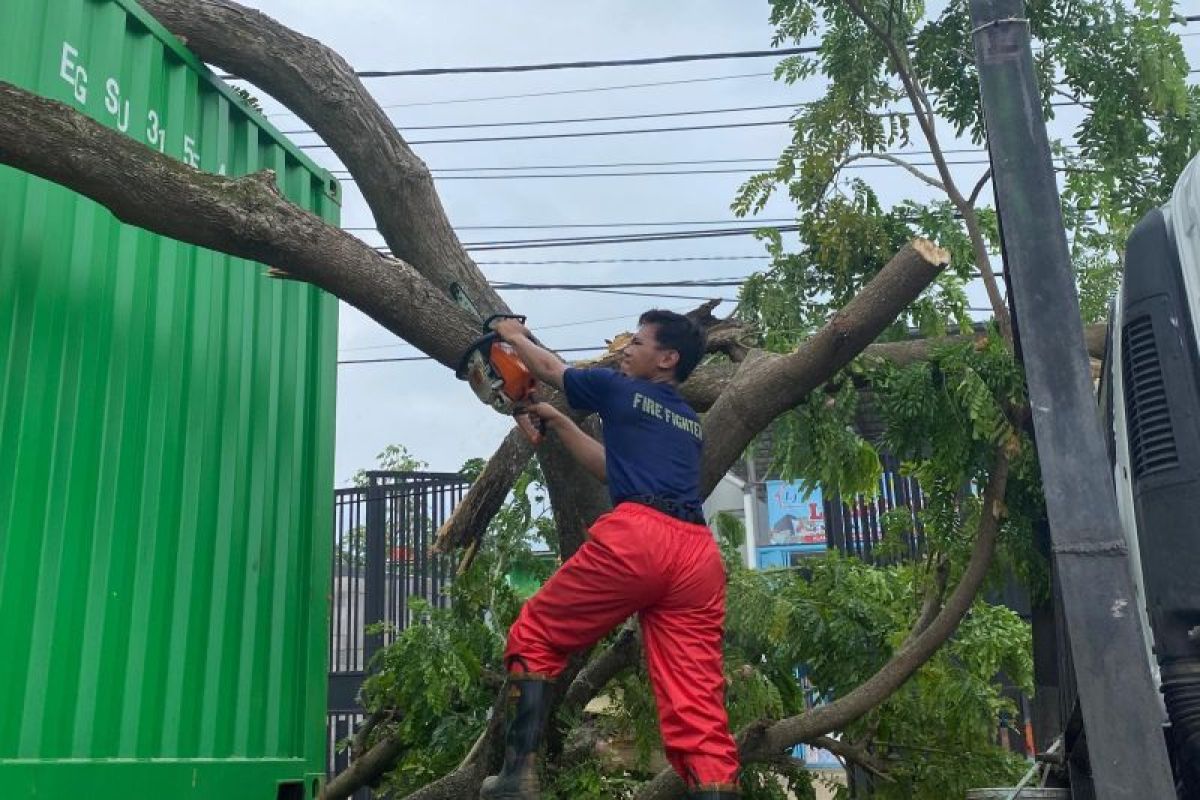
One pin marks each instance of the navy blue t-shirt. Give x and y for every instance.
(652, 438)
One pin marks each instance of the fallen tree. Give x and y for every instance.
(409, 293)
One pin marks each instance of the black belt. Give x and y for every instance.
(686, 512)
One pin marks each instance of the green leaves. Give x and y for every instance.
(437, 679)
(815, 633)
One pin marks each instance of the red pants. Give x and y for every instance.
(669, 572)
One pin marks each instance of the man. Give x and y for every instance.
(651, 555)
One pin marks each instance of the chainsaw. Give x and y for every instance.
(500, 379)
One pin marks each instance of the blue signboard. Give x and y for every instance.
(795, 519)
(816, 757)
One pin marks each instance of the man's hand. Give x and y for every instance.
(586, 450)
(546, 366)
(510, 329)
(548, 415)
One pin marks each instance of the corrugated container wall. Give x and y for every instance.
(166, 452)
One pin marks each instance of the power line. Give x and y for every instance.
(540, 328)
(512, 244)
(607, 164)
(594, 224)
(645, 173)
(399, 359)
(427, 358)
(732, 171)
(698, 282)
(570, 120)
(623, 260)
(552, 326)
(580, 134)
(525, 137)
(521, 244)
(584, 90)
(692, 162)
(653, 294)
(625, 62)
(622, 62)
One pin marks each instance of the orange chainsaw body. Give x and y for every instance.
(500, 379)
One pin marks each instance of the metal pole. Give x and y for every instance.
(374, 603)
(750, 511)
(1121, 713)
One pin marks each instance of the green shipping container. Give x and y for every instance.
(166, 452)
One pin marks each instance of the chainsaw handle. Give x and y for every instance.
(487, 323)
(534, 430)
(533, 426)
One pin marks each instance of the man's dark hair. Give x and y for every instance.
(677, 332)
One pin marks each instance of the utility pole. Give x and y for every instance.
(1121, 713)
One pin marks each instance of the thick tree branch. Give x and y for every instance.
(244, 217)
(620, 655)
(709, 380)
(766, 740)
(765, 387)
(364, 769)
(321, 88)
(471, 516)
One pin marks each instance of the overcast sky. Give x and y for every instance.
(420, 404)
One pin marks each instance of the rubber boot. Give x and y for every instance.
(518, 779)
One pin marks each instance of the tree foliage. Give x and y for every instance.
(893, 72)
(802, 636)
(1113, 76)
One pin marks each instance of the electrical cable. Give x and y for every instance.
(427, 358)
(657, 294)
(581, 134)
(698, 282)
(620, 62)
(679, 172)
(671, 259)
(692, 162)
(518, 244)
(551, 326)
(602, 348)
(571, 120)
(594, 224)
(624, 62)
(555, 92)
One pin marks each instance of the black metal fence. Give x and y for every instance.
(853, 525)
(381, 561)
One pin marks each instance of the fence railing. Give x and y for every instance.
(382, 560)
(853, 524)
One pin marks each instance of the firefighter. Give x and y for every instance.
(652, 555)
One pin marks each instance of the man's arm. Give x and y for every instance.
(545, 366)
(586, 450)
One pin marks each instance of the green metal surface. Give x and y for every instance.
(166, 452)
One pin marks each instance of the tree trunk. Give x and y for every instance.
(246, 217)
(765, 387)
